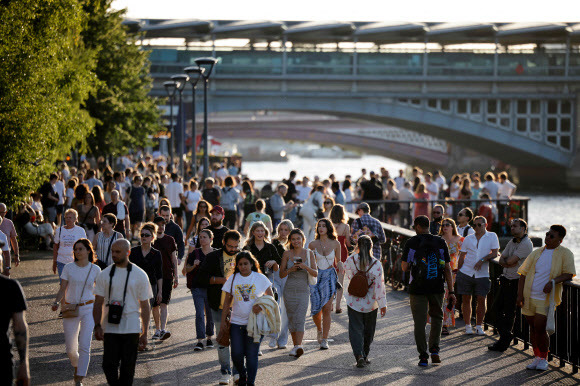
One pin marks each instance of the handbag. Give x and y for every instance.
(312, 280)
(551, 323)
(223, 337)
(72, 310)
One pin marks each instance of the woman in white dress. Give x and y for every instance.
(309, 211)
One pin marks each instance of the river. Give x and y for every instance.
(545, 208)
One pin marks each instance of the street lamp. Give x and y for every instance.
(171, 87)
(181, 80)
(194, 73)
(207, 64)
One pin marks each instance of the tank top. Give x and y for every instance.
(324, 262)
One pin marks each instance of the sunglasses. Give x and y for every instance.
(446, 225)
(145, 235)
(460, 214)
(436, 212)
(550, 236)
(479, 225)
(327, 202)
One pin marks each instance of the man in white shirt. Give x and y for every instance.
(490, 185)
(59, 188)
(5, 247)
(400, 180)
(122, 338)
(174, 193)
(473, 276)
(431, 187)
(303, 190)
(440, 181)
(506, 187)
(405, 194)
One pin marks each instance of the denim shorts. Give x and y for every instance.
(469, 285)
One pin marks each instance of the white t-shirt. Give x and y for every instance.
(246, 291)
(4, 242)
(59, 189)
(70, 194)
(433, 187)
(460, 230)
(492, 187)
(138, 289)
(66, 238)
(440, 182)
(506, 189)
(475, 251)
(76, 277)
(542, 274)
(303, 192)
(400, 182)
(192, 199)
(172, 192)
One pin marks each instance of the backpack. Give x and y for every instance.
(428, 262)
(359, 284)
(269, 210)
(466, 231)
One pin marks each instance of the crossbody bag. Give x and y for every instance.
(72, 310)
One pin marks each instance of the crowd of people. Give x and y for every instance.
(259, 259)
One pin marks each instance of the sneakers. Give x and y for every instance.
(542, 365)
(367, 361)
(157, 335)
(208, 343)
(423, 362)
(435, 360)
(324, 344)
(444, 331)
(497, 346)
(281, 346)
(360, 362)
(165, 335)
(468, 330)
(273, 343)
(479, 330)
(260, 353)
(292, 352)
(198, 347)
(319, 337)
(299, 352)
(225, 379)
(236, 379)
(534, 364)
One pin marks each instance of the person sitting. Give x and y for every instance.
(26, 219)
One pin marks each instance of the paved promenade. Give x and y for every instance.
(393, 354)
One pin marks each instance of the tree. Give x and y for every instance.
(45, 77)
(124, 112)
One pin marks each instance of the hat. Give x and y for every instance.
(158, 219)
(364, 206)
(218, 209)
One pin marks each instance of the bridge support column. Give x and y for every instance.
(573, 174)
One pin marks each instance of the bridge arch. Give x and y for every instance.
(487, 139)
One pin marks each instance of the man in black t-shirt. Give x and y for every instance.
(427, 258)
(211, 194)
(217, 227)
(14, 310)
(49, 198)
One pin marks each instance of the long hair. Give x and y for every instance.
(338, 214)
(89, 246)
(198, 227)
(453, 226)
(253, 261)
(250, 237)
(295, 231)
(98, 194)
(284, 222)
(209, 207)
(365, 251)
(330, 232)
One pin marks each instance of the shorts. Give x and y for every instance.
(50, 213)
(534, 307)
(59, 209)
(136, 216)
(167, 287)
(153, 299)
(469, 285)
(177, 212)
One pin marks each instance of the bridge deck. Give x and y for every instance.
(465, 358)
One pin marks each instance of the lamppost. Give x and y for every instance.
(171, 87)
(207, 64)
(194, 73)
(181, 80)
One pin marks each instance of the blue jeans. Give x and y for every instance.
(59, 267)
(223, 351)
(243, 347)
(202, 308)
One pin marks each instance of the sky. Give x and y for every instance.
(357, 10)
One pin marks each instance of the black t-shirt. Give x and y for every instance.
(152, 263)
(267, 253)
(192, 277)
(427, 255)
(218, 237)
(211, 195)
(14, 302)
(45, 190)
(166, 246)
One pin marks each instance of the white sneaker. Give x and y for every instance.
(225, 379)
(260, 353)
(272, 343)
(479, 330)
(534, 364)
(236, 379)
(281, 346)
(324, 344)
(542, 365)
(468, 330)
(157, 335)
(293, 351)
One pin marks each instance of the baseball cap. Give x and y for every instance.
(218, 209)
(364, 206)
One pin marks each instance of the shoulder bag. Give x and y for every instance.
(223, 337)
(72, 310)
(312, 280)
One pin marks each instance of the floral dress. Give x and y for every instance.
(449, 315)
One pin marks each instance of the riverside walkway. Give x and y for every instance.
(466, 359)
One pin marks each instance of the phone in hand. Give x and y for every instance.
(296, 262)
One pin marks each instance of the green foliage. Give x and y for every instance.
(45, 77)
(125, 114)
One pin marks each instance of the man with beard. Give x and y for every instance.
(213, 273)
(166, 245)
(173, 230)
(217, 227)
(435, 225)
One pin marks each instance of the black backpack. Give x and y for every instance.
(466, 231)
(269, 210)
(428, 263)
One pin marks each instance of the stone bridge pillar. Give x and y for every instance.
(573, 174)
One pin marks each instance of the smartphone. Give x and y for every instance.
(298, 261)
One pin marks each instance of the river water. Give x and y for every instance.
(544, 208)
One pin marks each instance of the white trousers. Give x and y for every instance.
(309, 228)
(78, 333)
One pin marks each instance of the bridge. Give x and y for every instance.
(505, 90)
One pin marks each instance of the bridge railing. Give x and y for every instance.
(563, 343)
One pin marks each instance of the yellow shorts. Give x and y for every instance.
(535, 306)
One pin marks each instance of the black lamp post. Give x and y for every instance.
(171, 87)
(194, 73)
(181, 80)
(207, 64)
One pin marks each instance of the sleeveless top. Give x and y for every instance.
(103, 246)
(343, 250)
(324, 262)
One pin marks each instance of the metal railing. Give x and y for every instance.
(564, 343)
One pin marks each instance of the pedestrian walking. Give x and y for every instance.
(366, 224)
(103, 241)
(426, 256)
(193, 241)
(64, 239)
(454, 241)
(77, 290)
(124, 288)
(340, 222)
(362, 310)
(89, 215)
